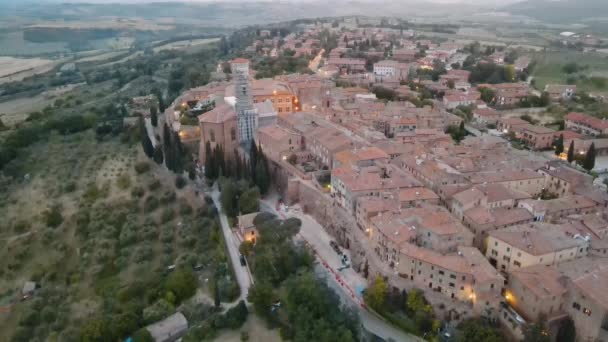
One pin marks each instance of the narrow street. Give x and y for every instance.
(314, 63)
(150, 130)
(243, 276)
(347, 283)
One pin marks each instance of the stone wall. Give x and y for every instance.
(336, 221)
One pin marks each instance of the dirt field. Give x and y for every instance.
(12, 67)
(100, 57)
(117, 23)
(183, 44)
(258, 332)
(15, 111)
(138, 53)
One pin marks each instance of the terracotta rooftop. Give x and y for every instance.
(536, 239)
(221, 113)
(559, 204)
(497, 216)
(587, 120)
(503, 176)
(543, 281)
(239, 61)
(417, 193)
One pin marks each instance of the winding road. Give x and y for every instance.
(242, 273)
(347, 280)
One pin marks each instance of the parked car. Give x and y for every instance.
(335, 247)
(242, 259)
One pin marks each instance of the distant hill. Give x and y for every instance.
(561, 11)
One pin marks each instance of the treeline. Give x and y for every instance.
(287, 294)
(269, 67)
(170, 151)
(254, 170)
(408, 310)
(38, 131)
(66, 34)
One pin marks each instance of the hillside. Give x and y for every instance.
(562, 11)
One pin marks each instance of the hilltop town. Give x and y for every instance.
(167, 177)
(407, 152)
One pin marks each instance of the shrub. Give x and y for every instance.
(20, 226)
(182, 283)
(150, 204)
(138, 192)
(53, 217)
(154, 185)
(167, 215)
(142, 167)
(168, 197)
(185, 208)
(142, 335)
(180, 182)
(70, 187)
(123, 181)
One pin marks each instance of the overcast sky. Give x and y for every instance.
(477, 2)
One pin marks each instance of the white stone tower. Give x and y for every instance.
(245, 111)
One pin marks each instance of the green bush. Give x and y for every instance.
(53, 217)
(182, 283)
(167, 215)
(138, 192)
(142, 167)
(185, 208)
(123, 181)
(70, 187)
(154, 185)
(180, 182)
(150, 204)
(168, 197)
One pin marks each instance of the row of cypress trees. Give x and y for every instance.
(588, 162)
(255, 169)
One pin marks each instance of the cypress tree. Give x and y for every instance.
(571, 152)
(192, 171)
(169, 160)
(253, 159)
(154, 115)
(158, 155)
(145, 139)
(238, 173)
(589, 162)
(208, 160)
(559, 145)
(262, 180)
(177, 149)
(212, 172)
(566, 331)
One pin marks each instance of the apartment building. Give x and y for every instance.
(278, 142)
(368, 207)
(481, 220)
(561, 180)
(576, 288)
(559, 92)
(521, 180)
(492, 195)
(554, 209)
(527, 245)
(464, 275)
(325, 142)
(586, 124)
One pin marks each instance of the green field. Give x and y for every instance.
(549, 69)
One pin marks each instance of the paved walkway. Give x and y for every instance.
(150, 130)
(242, 273)
(345, 282)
